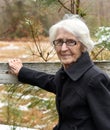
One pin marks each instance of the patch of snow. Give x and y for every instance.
(24, 108)
(7, 127)
(44, 112)
(2, 104)
(40, 127)
(26, 97)
(10, 47)
(24, 56)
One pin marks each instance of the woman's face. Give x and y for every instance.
(67, 53)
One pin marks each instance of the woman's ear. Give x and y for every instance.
(83, 48)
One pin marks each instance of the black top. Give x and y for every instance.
(82, 94)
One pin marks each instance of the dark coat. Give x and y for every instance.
(82, 94)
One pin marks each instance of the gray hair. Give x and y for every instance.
(75, 25)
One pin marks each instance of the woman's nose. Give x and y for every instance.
(64, 47)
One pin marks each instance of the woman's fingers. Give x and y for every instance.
(15, 65)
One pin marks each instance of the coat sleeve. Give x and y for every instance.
(36, 78)
(99, 101)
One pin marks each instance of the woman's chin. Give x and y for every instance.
(66, 62)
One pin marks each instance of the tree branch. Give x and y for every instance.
(62, 4)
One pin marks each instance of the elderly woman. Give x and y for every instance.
(81, 88)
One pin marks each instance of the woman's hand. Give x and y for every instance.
(15, 65)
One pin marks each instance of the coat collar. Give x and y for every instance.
(77, 69)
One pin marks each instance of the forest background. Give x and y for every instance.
(22, 24)
(13, 15)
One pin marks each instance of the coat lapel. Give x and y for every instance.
(77, 69)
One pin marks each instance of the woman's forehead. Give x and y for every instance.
(64, 32)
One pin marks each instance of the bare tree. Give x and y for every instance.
(74, 7)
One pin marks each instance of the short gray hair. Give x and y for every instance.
(77, 27)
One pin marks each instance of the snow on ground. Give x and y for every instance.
(10, 47)
(7, 127)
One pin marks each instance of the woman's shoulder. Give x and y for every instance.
(96, 71)
(97, 76)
